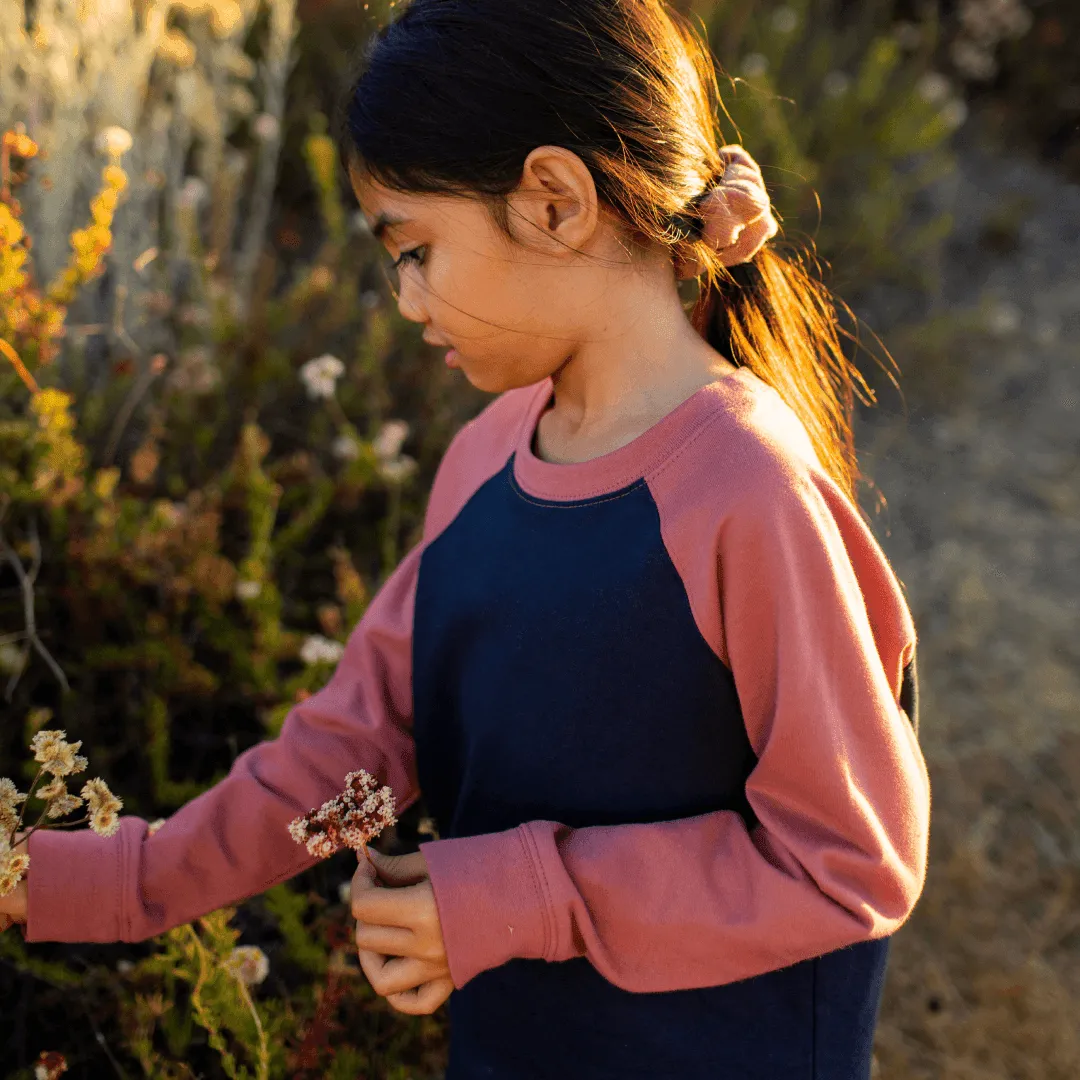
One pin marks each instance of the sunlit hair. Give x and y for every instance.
(451, 97)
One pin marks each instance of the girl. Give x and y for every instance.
(648, 665)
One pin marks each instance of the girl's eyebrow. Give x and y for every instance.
(383, 222)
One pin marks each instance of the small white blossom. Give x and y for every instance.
(398, 470)
(193, 193)
(754, 65)
(785, 20)
(113, 140)
(933, 87)
(248, 590)
(346, 448)
(125, 967)
(266, 127)
(320, 376)
(388, 443)
(955, 113)
(835, 84)
(318, 649)
(973, 61)
(1003, 319)
(249, 964)
(908, 35)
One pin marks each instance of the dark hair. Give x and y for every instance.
(452, 96)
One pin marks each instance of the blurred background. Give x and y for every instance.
(217, 437)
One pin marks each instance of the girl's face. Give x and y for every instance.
(515, 313)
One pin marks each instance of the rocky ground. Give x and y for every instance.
(982, 526)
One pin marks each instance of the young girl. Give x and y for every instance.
(648, 665)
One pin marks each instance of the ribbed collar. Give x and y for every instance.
(637, 458)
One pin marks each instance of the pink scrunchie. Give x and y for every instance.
(737, 212)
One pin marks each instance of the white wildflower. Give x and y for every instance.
(346, 448)
(194, 192)
(973, 61)
(908, 35)
(933, 87)
(318, 649)
(249, 964)
(320, 376)
(955, 113)
(113, 140)
(1003, 319)
(835, 84)
(399, 470)
(785, 20)
(124, 967)
(754, 65)
(248, 590)
(391, 438)
(266, 126)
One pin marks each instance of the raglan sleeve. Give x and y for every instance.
(231, 842)
(821, 647)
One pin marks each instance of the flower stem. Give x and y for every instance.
(29, 795)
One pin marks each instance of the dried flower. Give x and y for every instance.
(249, 964)
(353, 819)
(60, 801)
(55, 754)
(320, 376)
(104, 807)
(13, 864)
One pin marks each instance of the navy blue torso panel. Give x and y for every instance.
(558, 674)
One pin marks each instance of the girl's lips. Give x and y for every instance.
(452, 359)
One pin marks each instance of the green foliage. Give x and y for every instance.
(847, 124)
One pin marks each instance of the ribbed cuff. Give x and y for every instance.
(490, 900)
(75, 884)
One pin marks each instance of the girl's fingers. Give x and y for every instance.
(388, 940)
(425, 999)
(395, 974)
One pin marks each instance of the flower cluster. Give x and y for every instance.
(352, 819)
(58, 759)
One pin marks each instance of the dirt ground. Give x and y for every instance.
(983, 528)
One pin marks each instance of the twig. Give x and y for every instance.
(26, 581)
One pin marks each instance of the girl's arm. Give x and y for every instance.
(232, 842)
(820, 642)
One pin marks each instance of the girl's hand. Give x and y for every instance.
(398, 934)
(13, 906)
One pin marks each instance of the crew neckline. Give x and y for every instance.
(630, 462)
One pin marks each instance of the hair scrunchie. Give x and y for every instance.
(734, 215)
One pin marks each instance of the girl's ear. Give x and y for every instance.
(555, 205)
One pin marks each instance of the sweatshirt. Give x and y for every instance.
(663, 707)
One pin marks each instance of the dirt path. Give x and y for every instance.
(983, 528)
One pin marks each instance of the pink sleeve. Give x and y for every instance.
(231, 842)
(816, 634)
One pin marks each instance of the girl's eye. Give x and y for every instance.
(410, 256)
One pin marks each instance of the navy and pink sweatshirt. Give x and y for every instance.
(662, 705)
